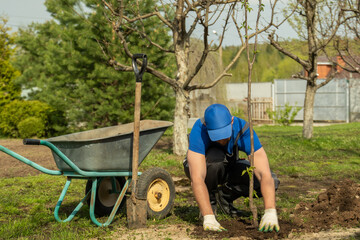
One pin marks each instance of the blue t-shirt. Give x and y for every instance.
(199, 140)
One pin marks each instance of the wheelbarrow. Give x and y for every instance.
(104, 158)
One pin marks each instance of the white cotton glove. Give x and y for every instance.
(210, 224)
(269, 221)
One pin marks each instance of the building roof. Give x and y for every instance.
(342, 73)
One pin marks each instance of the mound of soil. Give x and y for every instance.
(239, 229)
(339, 205)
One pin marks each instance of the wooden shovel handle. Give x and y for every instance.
(135, 160)
(136, 136)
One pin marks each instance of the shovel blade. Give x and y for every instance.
(136, 212)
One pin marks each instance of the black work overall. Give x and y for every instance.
(225, 171)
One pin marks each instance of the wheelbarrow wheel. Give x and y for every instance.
(106, 196)
(157, 187)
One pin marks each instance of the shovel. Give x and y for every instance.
(136, 208)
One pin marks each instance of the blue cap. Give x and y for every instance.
(218, 122)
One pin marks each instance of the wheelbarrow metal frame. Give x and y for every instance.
(77, 173)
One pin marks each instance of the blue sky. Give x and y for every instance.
(20, 13)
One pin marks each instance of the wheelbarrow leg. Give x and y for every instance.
(115, 208)
(61, 198)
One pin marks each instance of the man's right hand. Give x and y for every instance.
(210, 224)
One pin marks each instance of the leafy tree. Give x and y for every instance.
(62, 63)
(8, 89)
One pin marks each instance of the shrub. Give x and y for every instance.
(30, 127)
(239, 112)
(30, 118)
(284, 116)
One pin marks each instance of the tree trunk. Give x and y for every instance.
(309, 110)
(180, 123)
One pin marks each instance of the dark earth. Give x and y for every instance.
(338, 206)
(337, 203)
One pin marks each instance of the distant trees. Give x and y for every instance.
(62, 61)
(270, 64)
(8, 89)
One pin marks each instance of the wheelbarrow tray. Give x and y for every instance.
(109, 148)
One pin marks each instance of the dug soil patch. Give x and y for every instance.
(338, 206)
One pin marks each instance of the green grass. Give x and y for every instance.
(27, 203)
(27, 206)
(333, 152)
(165, 160)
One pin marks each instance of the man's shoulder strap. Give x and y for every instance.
(241, 132)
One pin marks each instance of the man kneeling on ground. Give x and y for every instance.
(215, 171)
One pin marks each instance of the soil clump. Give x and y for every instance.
(338, 206)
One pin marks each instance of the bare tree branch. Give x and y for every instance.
(193, 25)
(303, 63)
(144, 35)
(230, 12)
(223, 74)
(205, 24)
(328, 78)
(206, 45)
(139, 17)
(352, 64)
(163, 77)
(301, 76)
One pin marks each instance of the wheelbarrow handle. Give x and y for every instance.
(28, 141)
(138, 74)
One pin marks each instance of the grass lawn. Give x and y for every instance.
(333, 152)
(27, 203)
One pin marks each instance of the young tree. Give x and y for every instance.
(316, 22)
(63, 60)
(244, 38)
(8, 89)
(181, 18)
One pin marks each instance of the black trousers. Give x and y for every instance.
(227, 174)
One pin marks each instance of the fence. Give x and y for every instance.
(354, 85)
(331, 101)
(336, 101)
(262, 99)
(259, 109)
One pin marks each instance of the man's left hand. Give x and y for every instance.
(269, 221)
